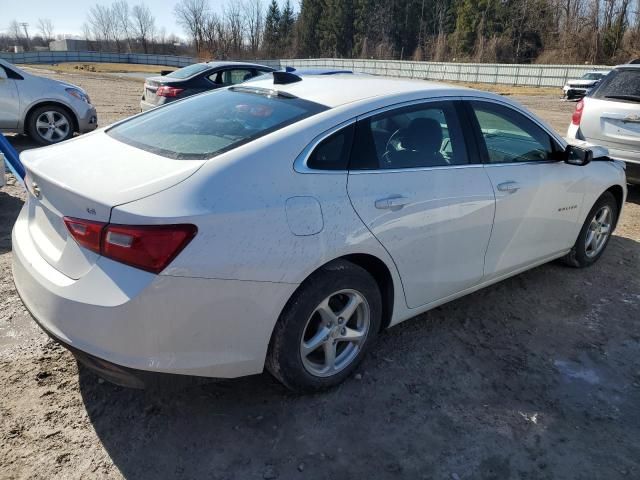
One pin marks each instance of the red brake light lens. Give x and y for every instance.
(148, 247)
(577, 115)
(165, 91)
(85, 232)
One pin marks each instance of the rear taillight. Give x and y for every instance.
(148, 247)
(86, 233)
(577, 115)
(165, 91)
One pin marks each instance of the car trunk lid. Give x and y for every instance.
(85, 178)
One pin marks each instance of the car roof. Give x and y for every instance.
(630, 66)
(218, 64)
(342, 88)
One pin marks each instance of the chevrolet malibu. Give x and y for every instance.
(285, 223)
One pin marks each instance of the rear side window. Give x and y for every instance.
(426, 135)
(620, 85)
(203, 126)
(333, 152)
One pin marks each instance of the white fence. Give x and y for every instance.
(90, 57)
(494, 73)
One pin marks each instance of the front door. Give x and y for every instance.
(414, 185)
(537, 196)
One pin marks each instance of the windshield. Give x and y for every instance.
(620, 84)
(189, 71)
(592, 76)
(203, 126)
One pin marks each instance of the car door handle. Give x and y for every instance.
(391, 203)
(509, 187)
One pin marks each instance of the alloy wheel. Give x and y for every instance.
(52, 126)
(598, 232)
(335, 333)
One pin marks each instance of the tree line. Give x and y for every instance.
(504, 31)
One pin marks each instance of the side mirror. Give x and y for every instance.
(574, 155)
(3, 74)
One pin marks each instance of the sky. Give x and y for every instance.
(69, 15)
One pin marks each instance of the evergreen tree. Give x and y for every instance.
(311, 11)
(286, 29)
(271, 38)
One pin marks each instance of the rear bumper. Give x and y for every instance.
(144, 106)
(119, 318)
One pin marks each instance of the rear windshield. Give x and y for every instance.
(204, 126)
(189, 71)
(622, 85)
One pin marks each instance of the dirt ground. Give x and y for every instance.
(537, 377)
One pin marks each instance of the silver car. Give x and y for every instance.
(610, 116)
(47, 110)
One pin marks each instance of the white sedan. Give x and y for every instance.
(284, 223)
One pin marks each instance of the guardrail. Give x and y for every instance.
(493, 73)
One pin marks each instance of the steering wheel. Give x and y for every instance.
(392, 147)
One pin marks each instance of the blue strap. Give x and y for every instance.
(12, 159)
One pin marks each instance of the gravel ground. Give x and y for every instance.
(537, 377)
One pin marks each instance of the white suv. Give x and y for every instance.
(610, 116)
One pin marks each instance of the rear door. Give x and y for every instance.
(422, 193)
(612, 113)
(537, 196)
(9, 101)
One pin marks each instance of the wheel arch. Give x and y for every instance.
(618, 194)
(381, 274)
(52, 103)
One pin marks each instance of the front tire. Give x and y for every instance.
(595, 233)
(50, 124)
(326, 328)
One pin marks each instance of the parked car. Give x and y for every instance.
(580, 87)
(47, 110)
(284, 223)
(610, 116)
(196, 78)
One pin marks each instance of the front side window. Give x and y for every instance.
(203, 126)
(426, 135)
(511, 137)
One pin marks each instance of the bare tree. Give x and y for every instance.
(253, 20)
(192, 16)
(121, 22)
(45, 27)
(100, 24)
(144, 25)
(234, 22)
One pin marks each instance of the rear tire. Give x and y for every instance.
(50, 124)
(326, 328)
(595, 233)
